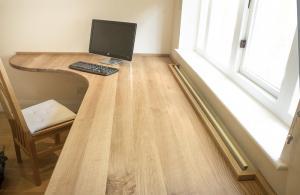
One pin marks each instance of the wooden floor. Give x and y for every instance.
(165, 146)
(158, 144)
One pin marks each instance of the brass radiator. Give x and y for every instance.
(240, 165)
(232, 154)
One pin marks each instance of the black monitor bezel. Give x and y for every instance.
(112, 54)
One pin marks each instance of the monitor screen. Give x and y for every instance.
(113, 39)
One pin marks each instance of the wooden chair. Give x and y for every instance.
(34, 123)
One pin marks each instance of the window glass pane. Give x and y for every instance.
(221, 30)
(272, 32)
(203, 21)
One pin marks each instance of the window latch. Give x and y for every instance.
(243, 43)
(289, 138)
(249, 4)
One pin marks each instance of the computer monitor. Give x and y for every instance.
(113, 39)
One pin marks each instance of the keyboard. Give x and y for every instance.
(93, 68)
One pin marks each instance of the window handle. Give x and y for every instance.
(289, 138)
(249, 3)
(243, 43)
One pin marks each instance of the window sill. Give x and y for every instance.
(268, 132)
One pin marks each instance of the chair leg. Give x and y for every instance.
(18, 153)
(57, 139)
(35, 166)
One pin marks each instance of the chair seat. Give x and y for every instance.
(46, 114)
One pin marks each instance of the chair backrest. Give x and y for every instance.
(12, 109)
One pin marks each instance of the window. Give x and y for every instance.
(217, 28)
(252, 42)
(272, 32)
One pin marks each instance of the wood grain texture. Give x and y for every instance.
(135, 133)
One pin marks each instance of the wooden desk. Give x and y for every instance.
(135, 133)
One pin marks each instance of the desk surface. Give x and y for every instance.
(135, 133)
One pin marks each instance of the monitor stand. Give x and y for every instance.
(111, 61)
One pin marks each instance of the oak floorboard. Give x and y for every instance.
(164, 128)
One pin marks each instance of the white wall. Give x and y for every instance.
(64, 25)
(176, 24)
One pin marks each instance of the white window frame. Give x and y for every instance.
(276, 101)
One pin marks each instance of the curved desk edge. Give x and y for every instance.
(81, 159)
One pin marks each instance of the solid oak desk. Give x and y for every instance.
(135, 133)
